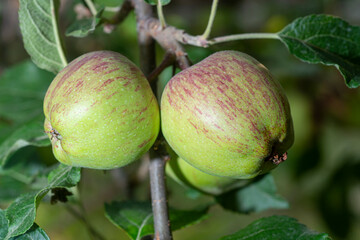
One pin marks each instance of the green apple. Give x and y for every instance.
(227, 116)
(186, 175)
(100, 112)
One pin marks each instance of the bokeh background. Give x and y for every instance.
(320, 179)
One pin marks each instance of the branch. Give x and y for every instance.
(143, 12)
(119, 17)
(168, 60)
(159, 200)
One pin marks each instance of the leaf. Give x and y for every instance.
(4, 225)
(83, 27)
(276, 227)
(64, 176)
(328, 40)
(22, 91)
(136, 218)
(39, 28)
(29, 134)
(35, 232)
(154, 2)
(255, 197)
(23, 173)
(22, 212)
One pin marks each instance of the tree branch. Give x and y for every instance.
(143, 13)
(159, 199)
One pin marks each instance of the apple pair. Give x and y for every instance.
(226, 115)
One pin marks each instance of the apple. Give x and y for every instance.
(100, 112)
(227, 116)
(185, 174)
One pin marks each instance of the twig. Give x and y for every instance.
(143, 12)
(242, 36)
(122, 13)
(160, 13)
(168, 60)
(91, 6)
(206, 34)
(119, 17)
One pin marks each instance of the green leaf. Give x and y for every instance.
(22, 91)
(64, 176)
(276, 227)
(255, 197)
(39, 28)
(35, 232)
(154, 2)
(83, 27)
(328, 40)
(29, 134)
(4, 225)
(22, 212)
(136, 218)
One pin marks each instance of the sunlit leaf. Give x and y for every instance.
(39, 28)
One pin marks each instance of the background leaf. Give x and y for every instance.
(136, 218)
(22, 212)
(35, 232)
(154, 2)
(23, 173)
(83, 27)
(38, 25)
(255, 197)
(276, 227)
(31, 133)
(4, 225)
(22, 90)
(328, 40)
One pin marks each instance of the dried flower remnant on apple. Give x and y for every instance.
(227, 116)
(100, 112)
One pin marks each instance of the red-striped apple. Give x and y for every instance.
(100, 112)
(227, 116)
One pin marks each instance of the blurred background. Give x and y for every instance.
(320, 179)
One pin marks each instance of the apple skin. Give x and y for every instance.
(227, 116)
(100, 112)
(186, 175)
